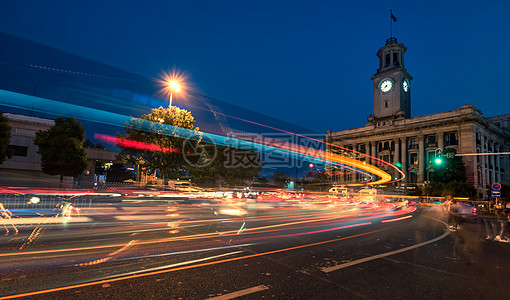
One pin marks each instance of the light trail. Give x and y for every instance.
(228, 233)
(186, 267)
(94, 115)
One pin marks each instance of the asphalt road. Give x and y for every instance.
(253, 251)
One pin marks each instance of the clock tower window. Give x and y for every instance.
(387, 60)
(395, 59)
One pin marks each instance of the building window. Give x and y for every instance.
(19, 150)
(362, 148)
(387, 60)
(413, 143)
(450, 139)
(430, 140)
(385, 103)
(413, 158)
(395, 59)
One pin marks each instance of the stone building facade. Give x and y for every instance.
(411, 143)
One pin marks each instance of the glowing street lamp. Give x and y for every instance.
(172, 86)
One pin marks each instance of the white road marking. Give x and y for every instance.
(169, 266)
(184, 252)
(240, 293)
(360, 261)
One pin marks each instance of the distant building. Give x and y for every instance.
(395, 137)
(24, 168)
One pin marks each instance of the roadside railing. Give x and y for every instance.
(35, 201)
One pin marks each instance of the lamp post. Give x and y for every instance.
(172, 86)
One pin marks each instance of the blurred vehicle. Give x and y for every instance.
(342, 192)
(367, 195)
(185, 186)
(401, 203)
(466, 209)
(67, 210)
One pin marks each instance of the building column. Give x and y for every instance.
(498, 165)
(373, 153)
(404, 157)
(493, 164)
(440, 140)
(421, 153)
(485, 164)
(396, 153)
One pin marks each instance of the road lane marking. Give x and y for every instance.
(363, 260)
(240, 293)
(170, 266)
(184, 252)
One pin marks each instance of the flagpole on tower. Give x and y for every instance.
(391, 24)
(392, 19)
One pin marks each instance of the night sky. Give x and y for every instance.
(306, 62)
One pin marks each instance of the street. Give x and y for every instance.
(169, 250)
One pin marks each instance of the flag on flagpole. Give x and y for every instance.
(393, 17)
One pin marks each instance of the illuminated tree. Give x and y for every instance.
(5, 138)
(61, 148)
(165, 151)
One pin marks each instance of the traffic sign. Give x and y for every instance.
(496, 186)
(496, 194)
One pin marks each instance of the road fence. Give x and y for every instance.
(35, 201)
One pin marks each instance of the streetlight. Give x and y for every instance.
(172, 86)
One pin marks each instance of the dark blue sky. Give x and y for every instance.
(306, 62)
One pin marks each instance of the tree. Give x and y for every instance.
(451, 169)
(434, 189)
(61, 148)
(281, 179)
(449, 177)
(233, 166)
(88, 144)
(117, 173)
(321, 181)
(459, 189)
(5, 138)
(164, 151)
(100, 146)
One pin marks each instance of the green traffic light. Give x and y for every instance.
(438, 161)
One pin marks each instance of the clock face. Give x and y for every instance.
(405, 85)
(386, 85)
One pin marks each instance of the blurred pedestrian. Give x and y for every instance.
(502, 222)
(453, 215)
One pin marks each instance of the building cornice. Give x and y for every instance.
(467, 114)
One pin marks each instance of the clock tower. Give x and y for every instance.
(392, 83)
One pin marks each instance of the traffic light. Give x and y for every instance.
(438, 157)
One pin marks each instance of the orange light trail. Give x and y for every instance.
(326, 143)
(186, 267)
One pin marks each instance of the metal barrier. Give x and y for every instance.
(29, 201)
